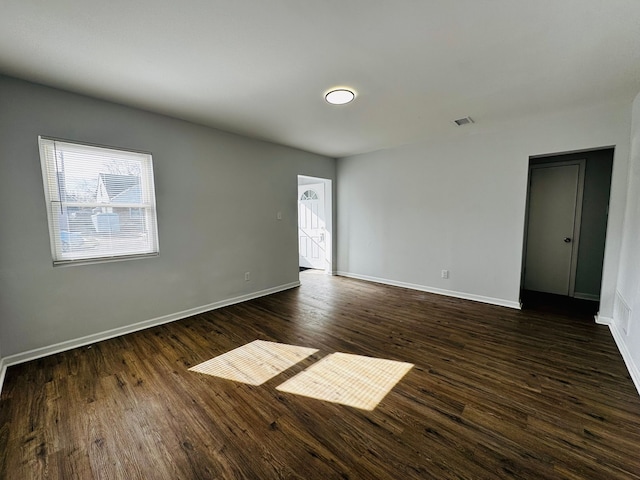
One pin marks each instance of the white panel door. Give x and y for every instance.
(311, 225)
(553, 202)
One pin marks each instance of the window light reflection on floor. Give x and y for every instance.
(352, 380)
(255, 362)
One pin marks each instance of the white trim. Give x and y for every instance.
(449, 293)
(633, 369)
(3, 372)
(116, 332)
(586, 296)
(603, 320)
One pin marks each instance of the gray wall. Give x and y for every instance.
(629, 279)
(593, 229)
(406, 213)
(217, 197)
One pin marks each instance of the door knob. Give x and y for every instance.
(567, 240)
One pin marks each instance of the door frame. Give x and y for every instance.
(314, 238)
(577, 221)
(328, 212)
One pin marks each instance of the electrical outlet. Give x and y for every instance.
(444, 274)
(247, 276)
(279, 215)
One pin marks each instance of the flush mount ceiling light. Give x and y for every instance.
(339, 96)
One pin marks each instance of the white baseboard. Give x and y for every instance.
(586, 296)
(633, 369)
(116, 332)
(603, 320)
(449, 293)
(3, 372)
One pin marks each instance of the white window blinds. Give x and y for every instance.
(100, 202)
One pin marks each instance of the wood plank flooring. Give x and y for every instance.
(495, 393)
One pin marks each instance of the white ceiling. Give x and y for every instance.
(261, 67)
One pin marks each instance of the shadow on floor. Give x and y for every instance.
(558, 304)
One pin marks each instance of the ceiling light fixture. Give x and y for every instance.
(340, 96)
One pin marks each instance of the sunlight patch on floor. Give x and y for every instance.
(255, 362)
(352, 380)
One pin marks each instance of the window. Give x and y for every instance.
(100, 202)
(309, 195)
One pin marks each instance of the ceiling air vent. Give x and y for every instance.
(463, 121)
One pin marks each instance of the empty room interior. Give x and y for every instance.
(318, 240)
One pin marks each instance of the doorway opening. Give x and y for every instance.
(315, 224)
(565, 230)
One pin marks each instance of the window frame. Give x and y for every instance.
(51, 178)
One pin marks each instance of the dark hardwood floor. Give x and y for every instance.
(494, 393)
(559, 304)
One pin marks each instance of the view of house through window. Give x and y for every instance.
(100, 201)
